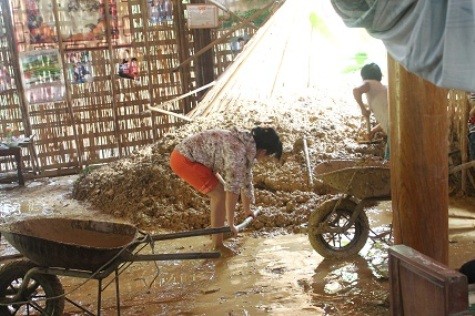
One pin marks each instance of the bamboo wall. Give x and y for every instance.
(107, 117)
(458, 107)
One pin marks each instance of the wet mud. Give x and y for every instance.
(274, 273)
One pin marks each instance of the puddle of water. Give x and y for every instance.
(279, 275)
(13, 210)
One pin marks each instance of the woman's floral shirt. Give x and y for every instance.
(231, 153)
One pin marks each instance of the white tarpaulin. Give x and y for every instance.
(434, 39)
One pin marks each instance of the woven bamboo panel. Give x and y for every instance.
(11, 114)
(93, 114)
(457, 110)
(156, 43)
(98, 116)
(226, 52)
(457, 116)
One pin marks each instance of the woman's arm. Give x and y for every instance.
(246, 205)
(230, 204)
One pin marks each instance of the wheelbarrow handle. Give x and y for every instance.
(205, 231)
(196, 232)
(174, 256)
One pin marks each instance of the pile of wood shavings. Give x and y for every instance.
(143, 190)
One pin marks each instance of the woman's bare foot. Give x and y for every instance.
(227, 235)
(226, 251)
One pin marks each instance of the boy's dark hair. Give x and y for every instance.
(267, 138)
(371, 72)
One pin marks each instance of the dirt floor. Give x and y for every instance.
(276, 270)
(274, 273)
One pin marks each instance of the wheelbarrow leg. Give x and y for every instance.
(117, 293)
(99, 297)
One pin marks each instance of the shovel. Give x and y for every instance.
(368, 131)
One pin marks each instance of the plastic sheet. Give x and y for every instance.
(434, 39)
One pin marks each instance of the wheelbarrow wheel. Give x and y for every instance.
(332, 244)
(42, 295)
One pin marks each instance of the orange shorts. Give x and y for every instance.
(196, 174)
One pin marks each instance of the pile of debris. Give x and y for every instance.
(143, 190)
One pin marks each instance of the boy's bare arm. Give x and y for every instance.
(358, 95)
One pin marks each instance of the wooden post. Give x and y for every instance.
(184, 53)
(204, 64)
(419, 163)
(204, 68)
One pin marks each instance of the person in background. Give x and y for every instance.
(80, 72)
(133, 68)
(168, 10)
(202, 158)
(241, 42)
(471, 128)
(376, 95)
(156, 11)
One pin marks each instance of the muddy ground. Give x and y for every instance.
(276, 271)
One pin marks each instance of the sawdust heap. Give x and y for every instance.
(143, 190)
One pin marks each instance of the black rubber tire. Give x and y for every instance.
(40, 286)
(338, 245)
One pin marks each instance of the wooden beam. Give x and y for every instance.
(419, 163)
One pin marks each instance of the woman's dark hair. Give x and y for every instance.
(371, 72)
(267, 138)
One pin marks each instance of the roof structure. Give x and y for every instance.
(296, 51)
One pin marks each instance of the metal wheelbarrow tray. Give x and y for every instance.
(69, 243)
(75, 248)
(369, 181)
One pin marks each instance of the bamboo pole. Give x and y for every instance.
(307, 162)
(464, 142)
(183, 117)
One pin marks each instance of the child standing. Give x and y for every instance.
(377, 100)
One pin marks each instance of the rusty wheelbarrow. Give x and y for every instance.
(88, 249)
(339, 227)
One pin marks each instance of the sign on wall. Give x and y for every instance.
(201, 16)
(79, 20)
(42, 76)
(79, 66)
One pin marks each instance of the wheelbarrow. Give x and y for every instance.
(339, 227)
(88, 249)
